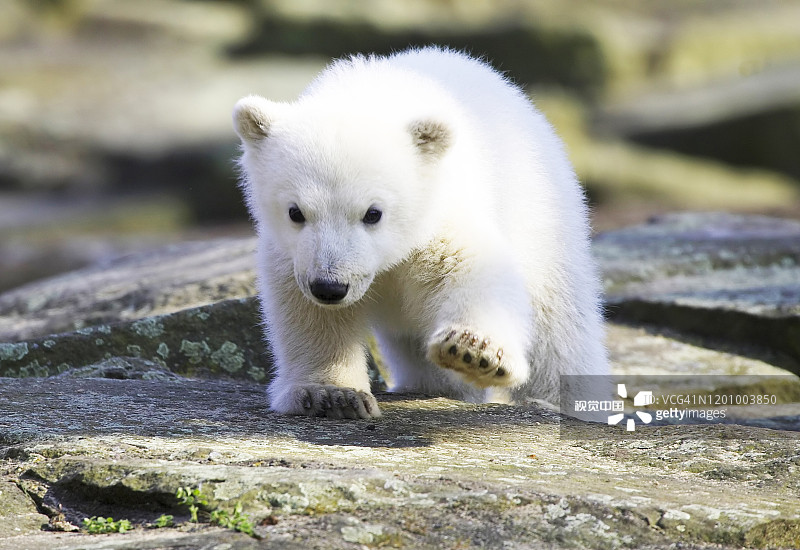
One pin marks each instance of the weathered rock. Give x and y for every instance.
(118, 430)
(733, 278)
(430, 473)
(18, 514)
(720, 120)
(140, 310)
(43, 236)
(689, 272)
(166, 280)
(218, 340)
(656, 359)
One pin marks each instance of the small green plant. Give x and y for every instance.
(236, 521)
(193, 498)
(100, 525)
(164, 520)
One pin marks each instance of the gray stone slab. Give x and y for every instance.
(106, 424)
(218, 340)
(729, 277)
(166, 280)
(431, 473)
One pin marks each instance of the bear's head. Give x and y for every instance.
(341, 194)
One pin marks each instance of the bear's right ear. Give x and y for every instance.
(252, 117)
(431, 137)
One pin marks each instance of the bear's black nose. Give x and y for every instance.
(327, 291)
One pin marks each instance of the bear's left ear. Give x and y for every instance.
(431, 137)
(252, 117)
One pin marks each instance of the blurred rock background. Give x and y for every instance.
(115, 130)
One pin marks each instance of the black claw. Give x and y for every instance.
(453, 350)
(371, 406)
(450, 335)
(500, 372)
(467, 358)
(484, 362)
(306, 400)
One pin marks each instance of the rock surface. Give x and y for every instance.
(167, 280)
(727, 277)
(101, 421)
(432, 473)
(735, 278)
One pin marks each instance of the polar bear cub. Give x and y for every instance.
(422, 197)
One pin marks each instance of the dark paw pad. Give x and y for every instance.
(471, 354)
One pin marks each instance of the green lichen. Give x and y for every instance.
(229, 357)
(163, 350)
(256, 373)
(289, 504)
(149, 327)
(196, 352)
(202, 315)
(33, 369)
(369, 534)
(217, 345)
(13, 352)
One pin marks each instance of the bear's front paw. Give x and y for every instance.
(479, 359)
(329, 401)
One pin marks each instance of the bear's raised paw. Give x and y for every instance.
(330, 401)
(480, 360)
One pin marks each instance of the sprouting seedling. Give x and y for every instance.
(236, 521)
(193, 498)
(164, 520)
(100, 525)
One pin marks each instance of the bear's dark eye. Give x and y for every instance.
(372, 216)
(296, 215)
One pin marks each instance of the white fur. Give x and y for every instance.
(482, 251)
